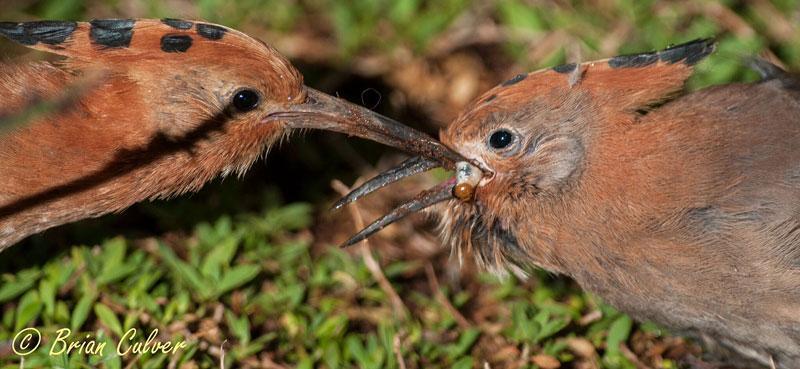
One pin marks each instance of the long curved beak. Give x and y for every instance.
(322, 111)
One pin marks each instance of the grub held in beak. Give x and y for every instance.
(468, 177)
(322, 111)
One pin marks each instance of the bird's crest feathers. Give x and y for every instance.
(109, 39)
(626, 82)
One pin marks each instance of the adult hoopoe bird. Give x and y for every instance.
(142, 109)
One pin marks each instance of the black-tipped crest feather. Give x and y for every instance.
(690, 53)
(31, 33)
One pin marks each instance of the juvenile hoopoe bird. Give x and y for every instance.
(678, 208)
(142, 109)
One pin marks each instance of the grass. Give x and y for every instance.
(250, 278)
(252, 286)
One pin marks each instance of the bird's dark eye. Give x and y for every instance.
(501, 139)
(245, 100)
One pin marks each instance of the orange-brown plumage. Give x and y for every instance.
(680, 208)
(686, 213)
(155, 124)
(161, 107)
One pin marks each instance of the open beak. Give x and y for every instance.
(322, 111)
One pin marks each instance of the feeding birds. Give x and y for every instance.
(142, 109)
(679, 208)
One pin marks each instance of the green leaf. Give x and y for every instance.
(19, 284)
(47, 293)
(651, 328)
(185, 272)
(618, 333)
(28, 309)
(465, 342)
(122, 270)
(305, 363)
(81, 311)
(549, 325)
(518, 15)
(463, 363)
(332, 327)
(221, 255)
(522, 328)
(239, 326)
(331, 354)
(59, 271)
(356, 350)
(61, 314)
(253, 348)
(114, 266)
(108, 318)
(236, 277)
(402, 10)
(287, 218)
(113, 252)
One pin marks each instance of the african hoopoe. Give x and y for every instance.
(680, 208)
(142, 109)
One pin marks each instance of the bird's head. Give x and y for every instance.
(183, 72)
(529, 141)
